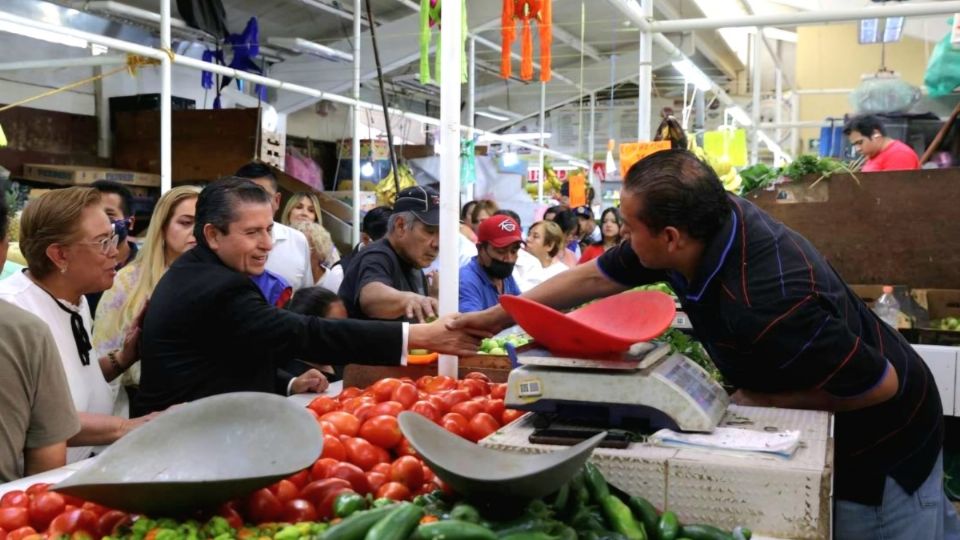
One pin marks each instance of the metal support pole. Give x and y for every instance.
(166, 109)
(699, 110)
(450, 59)
(645, 84)
(755, 113)
(355, 122)
(64, 62)
(543, 127)
(778, 112)
(591, 146)
(794, 118)
(101, 106)
(471, 103)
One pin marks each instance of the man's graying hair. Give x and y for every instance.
(218, 200)
(408, 217)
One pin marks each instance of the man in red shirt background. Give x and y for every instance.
(866, 134)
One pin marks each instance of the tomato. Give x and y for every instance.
(482, 425)
(375, 480)
(364, 411)
(111, 520)
(328, 428)
(14, 498)
(383, 389)
(301, 478)
(475, 387)
(439, 404)
(383, 431)
(333, 448)
(86, 505)
(72, 522)
(498, 390)
(324, 404)
(263, 506)
(405, 449)
(352, 405)
(353, 474)
(393, 490)
(478, 376)
(298, 510)
(408, 471)
(21, 533)
(284, 490)
(455, 423)
(227, 511)
(316, 491)
(439, 384)
(13, 517)
(382, 468)
(392, 408)
(494, 407)
(346, 423)
(468, 409)
(406, 395)
(453, 397)
(428, 475)
(44, 507)
(422, 382)
(362, 453)
(349, 392)
(427, 410)
(37, 489)
(321, 467)
(509, 415)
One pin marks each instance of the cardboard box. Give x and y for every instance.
(73, 175)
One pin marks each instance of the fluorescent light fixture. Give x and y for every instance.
(488, 137)
(366, 170)
(739, 115)
(692, 74)
(96, 49)
(44, 35)
(888, 30)
(893, 29)
(510, 158)
(305, 46)
(492, 116)
(869, 31)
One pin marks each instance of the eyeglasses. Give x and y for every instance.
(106, 245)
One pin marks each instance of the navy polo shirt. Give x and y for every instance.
(776, 317)
(477, 292)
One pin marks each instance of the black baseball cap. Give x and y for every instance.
(424, 202)
(584, 212)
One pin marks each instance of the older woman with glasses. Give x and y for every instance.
(71, 250)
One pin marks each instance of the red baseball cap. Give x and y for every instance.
(499, 231)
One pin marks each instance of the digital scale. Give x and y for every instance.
(647, 386)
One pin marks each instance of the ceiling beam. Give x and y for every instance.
(709, 44)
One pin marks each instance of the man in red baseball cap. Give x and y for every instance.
(489, 274)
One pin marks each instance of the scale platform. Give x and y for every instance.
(646, 386)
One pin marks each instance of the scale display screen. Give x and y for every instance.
(692, 381)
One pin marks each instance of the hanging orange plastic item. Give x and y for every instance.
(526, 11)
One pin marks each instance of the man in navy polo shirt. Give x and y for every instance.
(783, 327)
(490, 273)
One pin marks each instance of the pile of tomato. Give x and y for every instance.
(364, 452)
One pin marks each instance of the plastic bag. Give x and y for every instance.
(883, 93)
(943, 70)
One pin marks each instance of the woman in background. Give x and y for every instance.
(169, 235)
(303, 206)
(570, 226)
(610, 224)
(324, 261)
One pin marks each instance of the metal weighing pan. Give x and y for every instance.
(201, 454)
(473, 470)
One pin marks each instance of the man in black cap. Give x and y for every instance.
(589, 232)
(385, 280)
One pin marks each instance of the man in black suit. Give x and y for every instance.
(208, 329)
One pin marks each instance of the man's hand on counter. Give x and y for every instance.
(311, 380)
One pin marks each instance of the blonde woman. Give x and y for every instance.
(324, 259)
(303, 206)
(169, 235)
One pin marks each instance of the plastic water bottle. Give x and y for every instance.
(887, 307)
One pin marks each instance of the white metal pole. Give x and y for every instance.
(794, 118)
(64, 62)
(646, 76)
(543, 128)
(591, 147)
(166, 108)
(355, 122)
(778, 112)
(471, 104)
(451, 64)
(755, 113)
(806, 17)
(102, 111)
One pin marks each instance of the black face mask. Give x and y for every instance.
(499, 269)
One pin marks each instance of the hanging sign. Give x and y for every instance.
(631, 153)
(578, 189)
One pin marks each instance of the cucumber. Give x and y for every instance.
(596, 483)
(398, 524)
(465, 512)
(704, 532)
(453, 530)
(563, 494)
(646, 513)
(356, 526)
(742, 533)
(529, 536)
(669, 526)
(621, 519)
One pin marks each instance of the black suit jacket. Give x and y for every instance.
(209, 330)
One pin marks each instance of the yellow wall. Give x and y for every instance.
(830, 57)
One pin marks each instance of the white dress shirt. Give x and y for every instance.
(290, 257)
